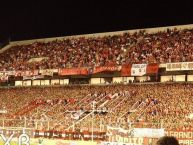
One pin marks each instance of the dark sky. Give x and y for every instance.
(39, 19)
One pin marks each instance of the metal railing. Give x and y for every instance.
(100, 123)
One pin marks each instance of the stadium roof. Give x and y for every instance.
(41, 19)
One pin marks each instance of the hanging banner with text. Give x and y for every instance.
(106, 69)
(70, 135)
(47, 72)
(27, 73)
(179, 66)
(184, 137)
(73, 71)
(138, 69)
(148, 132)
(120, 143)
(33, 77)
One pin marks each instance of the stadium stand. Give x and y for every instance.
(96, 107)
(147, 105)
(140, 47)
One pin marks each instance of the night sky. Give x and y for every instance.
(40, 19)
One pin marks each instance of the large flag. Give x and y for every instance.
(152, 68)
(126, 70)
(138, 69)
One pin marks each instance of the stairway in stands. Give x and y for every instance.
(29, 107)
(136, 113)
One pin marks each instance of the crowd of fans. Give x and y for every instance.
(134, 105)
(70, 107)
(140, 47)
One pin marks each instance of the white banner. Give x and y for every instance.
(3, 76)
(32, 77)
(3, 111)
(11, 73)
(27, 73)
(117, 130)
(47, 72)
(33, 60)
(138, 69)
(179, 66)
(77, 115)
(117, 143)
(148, 132)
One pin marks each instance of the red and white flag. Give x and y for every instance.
(138, 69)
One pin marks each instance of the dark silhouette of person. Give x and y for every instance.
(167, 140)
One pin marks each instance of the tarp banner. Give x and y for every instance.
(179, 66)
(106, 69)
(138, 69)
(73, 71)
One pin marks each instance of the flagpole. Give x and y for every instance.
(93, 121)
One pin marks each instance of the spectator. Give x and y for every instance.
(167, 140)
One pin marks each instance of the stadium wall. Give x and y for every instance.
(102, 81)
(190, 78)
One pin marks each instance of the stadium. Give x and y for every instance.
(96, 73)
(99, 88)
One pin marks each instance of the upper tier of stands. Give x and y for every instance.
(172, 45)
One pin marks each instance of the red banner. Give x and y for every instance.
(126, 70)
(106, 68)
(152, 68)
(73, 71)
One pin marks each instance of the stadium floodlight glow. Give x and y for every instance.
(22, 140)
